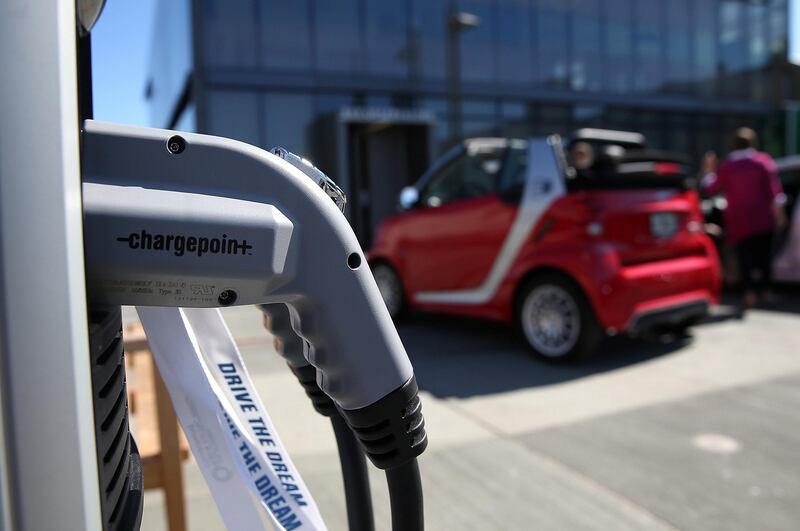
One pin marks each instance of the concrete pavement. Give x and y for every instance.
(698, 434)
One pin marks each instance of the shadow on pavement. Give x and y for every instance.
(460, 358)
(784, 299)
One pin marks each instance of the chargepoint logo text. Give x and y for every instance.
(181, 245)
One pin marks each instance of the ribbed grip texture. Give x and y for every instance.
(307, 376)
(119, 466)
(278, 322)
(392, 430)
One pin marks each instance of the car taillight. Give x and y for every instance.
(694, 226)
(666, 168)
(696, 221)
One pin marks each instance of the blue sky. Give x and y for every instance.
(794, 27)
(121, 51)
(120, 56)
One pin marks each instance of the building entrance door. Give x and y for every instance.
(372, 154)
(384, 157)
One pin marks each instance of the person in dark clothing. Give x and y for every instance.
(749, 181)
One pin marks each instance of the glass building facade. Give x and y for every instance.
(683, 72)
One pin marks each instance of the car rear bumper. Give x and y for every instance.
(683, 314)
(663, 292)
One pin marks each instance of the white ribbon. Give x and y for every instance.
(230, 433)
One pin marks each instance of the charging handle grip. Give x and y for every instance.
(288, 344)
(291, 347)
(391, 431)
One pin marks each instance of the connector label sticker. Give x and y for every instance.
(180, 244)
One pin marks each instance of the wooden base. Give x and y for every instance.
(162, 444)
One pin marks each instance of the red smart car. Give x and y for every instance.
(510, 230)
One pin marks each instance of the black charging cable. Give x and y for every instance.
(405, 497)
(393, 442)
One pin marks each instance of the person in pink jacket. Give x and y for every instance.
(748, 179)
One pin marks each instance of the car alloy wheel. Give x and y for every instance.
(551, 320)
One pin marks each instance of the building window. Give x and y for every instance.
(779, 27)
(515, 120)
(706, 135)
(441, 133)
(678, 136)
(705, 47)
(477, 44)
(428, 33)
(338, 36)
(229, 33)
(477, 126)
(554, 119)
(513, 38)
(387, 49)
(759, 50)
(648, 45)
(733, 48)
(586, 69)
(653, 125)
(476, 107)
(438, 106)
(678, 42)
(286, 122)
(233, 114)
(328, 103)
(284, 34)
(618, 40)
(479, 118)
(621, 119)
(552, 43)
(380, 101)
(757, 21)
(588, 115)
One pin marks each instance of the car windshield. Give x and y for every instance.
(470, 176)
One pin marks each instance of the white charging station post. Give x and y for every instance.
(48, 464)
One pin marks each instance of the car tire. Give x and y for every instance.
(556, 320)
(391, 288)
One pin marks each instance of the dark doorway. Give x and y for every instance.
(383, 158)
(372, 154)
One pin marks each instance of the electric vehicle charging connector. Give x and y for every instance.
(293, 246)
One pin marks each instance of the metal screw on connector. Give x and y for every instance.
(176, 144)
(227, 297)
(354, 260)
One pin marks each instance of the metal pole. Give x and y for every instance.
(48, 473)
(454, 72)
(457, 22)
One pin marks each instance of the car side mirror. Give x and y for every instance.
(409, 197)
